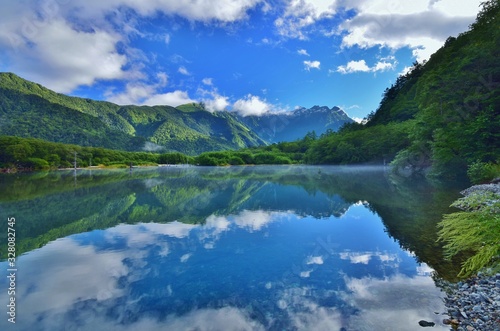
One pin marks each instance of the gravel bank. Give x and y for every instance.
(494, 188)
(474, 304)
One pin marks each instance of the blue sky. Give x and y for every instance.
(250, 56)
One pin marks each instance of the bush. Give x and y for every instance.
(173, 158)
(234, 160)
(474, 230)
(481, 172)
(36, 164)
(206, 160)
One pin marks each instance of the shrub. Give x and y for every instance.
(481, 172)
(475, 230)
(234, 160)
(36, 163)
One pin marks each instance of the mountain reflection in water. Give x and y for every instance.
(240, 248)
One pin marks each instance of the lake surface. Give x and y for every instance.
(236, 248)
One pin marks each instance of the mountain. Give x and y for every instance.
(290, 126)
(31, 110)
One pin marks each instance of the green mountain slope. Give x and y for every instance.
(30, 110)
(34, 116)
(444, 113)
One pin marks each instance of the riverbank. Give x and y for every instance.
(474, 304)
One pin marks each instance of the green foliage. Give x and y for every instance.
(482, 172)
(256, 156)
(271, 158)
(442, 113)
(174, 158)
(474, 231)
(371, 144)
(37, 154)
(30, 110)
(35, 164)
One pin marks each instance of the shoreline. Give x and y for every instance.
(473, 304)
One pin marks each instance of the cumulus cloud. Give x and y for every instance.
(421, 25)
(217, 103)
(66, 44)
(382, 300)
(312, 65)
(303, 52)
(361, 66)
(354, 66)
(365, 257)
(211, 98)
(208, 11)
(174, 99)
(251, 105)
(183, 71)
(60, 57)
(150, 94)
(207, 81)
(300, 14)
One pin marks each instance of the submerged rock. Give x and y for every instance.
(426, 324)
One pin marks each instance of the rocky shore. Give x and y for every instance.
(473, 304)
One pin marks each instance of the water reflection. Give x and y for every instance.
(212, 250)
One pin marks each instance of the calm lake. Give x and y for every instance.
(233, 248)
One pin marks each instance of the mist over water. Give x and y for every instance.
(239, 248)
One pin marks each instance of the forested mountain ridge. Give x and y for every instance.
(443, 113)
(31, 110)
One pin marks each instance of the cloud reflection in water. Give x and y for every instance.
(223, 275)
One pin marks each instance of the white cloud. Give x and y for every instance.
(254, 220)
(315, 260)
(183, 71)
(421, 25)
(218, 103)
(354, 66)
(312, 65)
(66, 44)
(251, 105)
(162, 79)
(303, 52)
(300, 14)
(173, 229)
(361, 66)
(134, 93)
(142, 93)
(386, 299)
(60, 57)
(207, 81)
(185, 257)
(174, 99)
(200, 10)
(383, 66)
(212, 99)
(365, 257)
(167, 39)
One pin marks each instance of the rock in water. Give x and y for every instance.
(426, 324)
